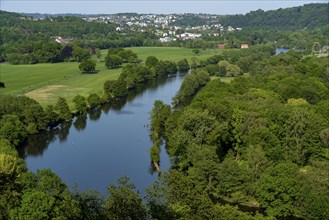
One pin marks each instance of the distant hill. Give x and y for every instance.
(307, 16)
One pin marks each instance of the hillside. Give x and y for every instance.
(307, 16)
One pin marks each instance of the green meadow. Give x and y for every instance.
(45, 82)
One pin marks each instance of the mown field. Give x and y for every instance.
(45, 82)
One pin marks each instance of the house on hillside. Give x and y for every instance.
(165, 39)
(220, 46)
(63, 40)
(324, 49)
(244, 46)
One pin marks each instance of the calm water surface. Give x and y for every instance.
(95, 151)
(281, 50)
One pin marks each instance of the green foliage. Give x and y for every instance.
(124, 202)
(63, 109)
(183, 65)
(314, 199)
(151, 61)
(191, 84)
(80, 104)
(196, 51)
(35, 205)
(227, 69)
(46, 196)
(159, 114)
(90, 204)
(231, 177)
(128, 56)
(134, 75)
(278, 190)
(165, 68)
(307, 16)
(87, 66)
(113, 61)
(115, 89)
(29, 112)
(12, 129)
(93, 100)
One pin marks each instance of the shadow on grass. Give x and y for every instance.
(94, 72)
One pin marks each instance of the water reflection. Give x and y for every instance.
(95, 114)
(80, 122)
(38, 143)
(105, 144)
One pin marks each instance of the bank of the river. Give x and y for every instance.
(45, 82)
(95, 151)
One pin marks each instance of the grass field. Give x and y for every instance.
(45, 82)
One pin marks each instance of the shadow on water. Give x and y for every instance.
(95, 114)
(80, 122)
(38, 143)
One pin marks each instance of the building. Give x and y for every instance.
(63, 40)
(165, 39)
(244, 46)
(324, 49)
(220, 46)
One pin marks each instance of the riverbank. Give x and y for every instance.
(45, 82)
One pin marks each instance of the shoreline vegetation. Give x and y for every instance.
(254, 148)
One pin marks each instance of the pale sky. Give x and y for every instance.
(165, 6)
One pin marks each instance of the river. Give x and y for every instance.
(94, 151)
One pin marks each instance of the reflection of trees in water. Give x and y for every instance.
(63, 132)
(38, 143)
(106, 108)
(95, 114)
(80, 122)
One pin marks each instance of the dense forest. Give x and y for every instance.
(308, 16)
(259, 141)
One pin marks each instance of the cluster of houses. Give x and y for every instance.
(242, 46)
(163, 26)
(130, 21)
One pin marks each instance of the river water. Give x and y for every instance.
(94, 151)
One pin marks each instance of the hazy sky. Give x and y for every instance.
(148, 6)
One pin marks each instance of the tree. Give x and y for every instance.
(93, 100)
(35, 205)
(80, 104)
(128, 56)
(278, 189)
(314, 203)
(90, 204)
(113, 61)
(183, 65)
(80, 54)
(232, 70)
(316, 47)
(63, 109)
(87, 66)
(222, 67)
(114, 89)
(196, 51)
(35, 118)
(151, 61)
(124, 202)
(12, 129)
(164, 68)
(45, 194)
